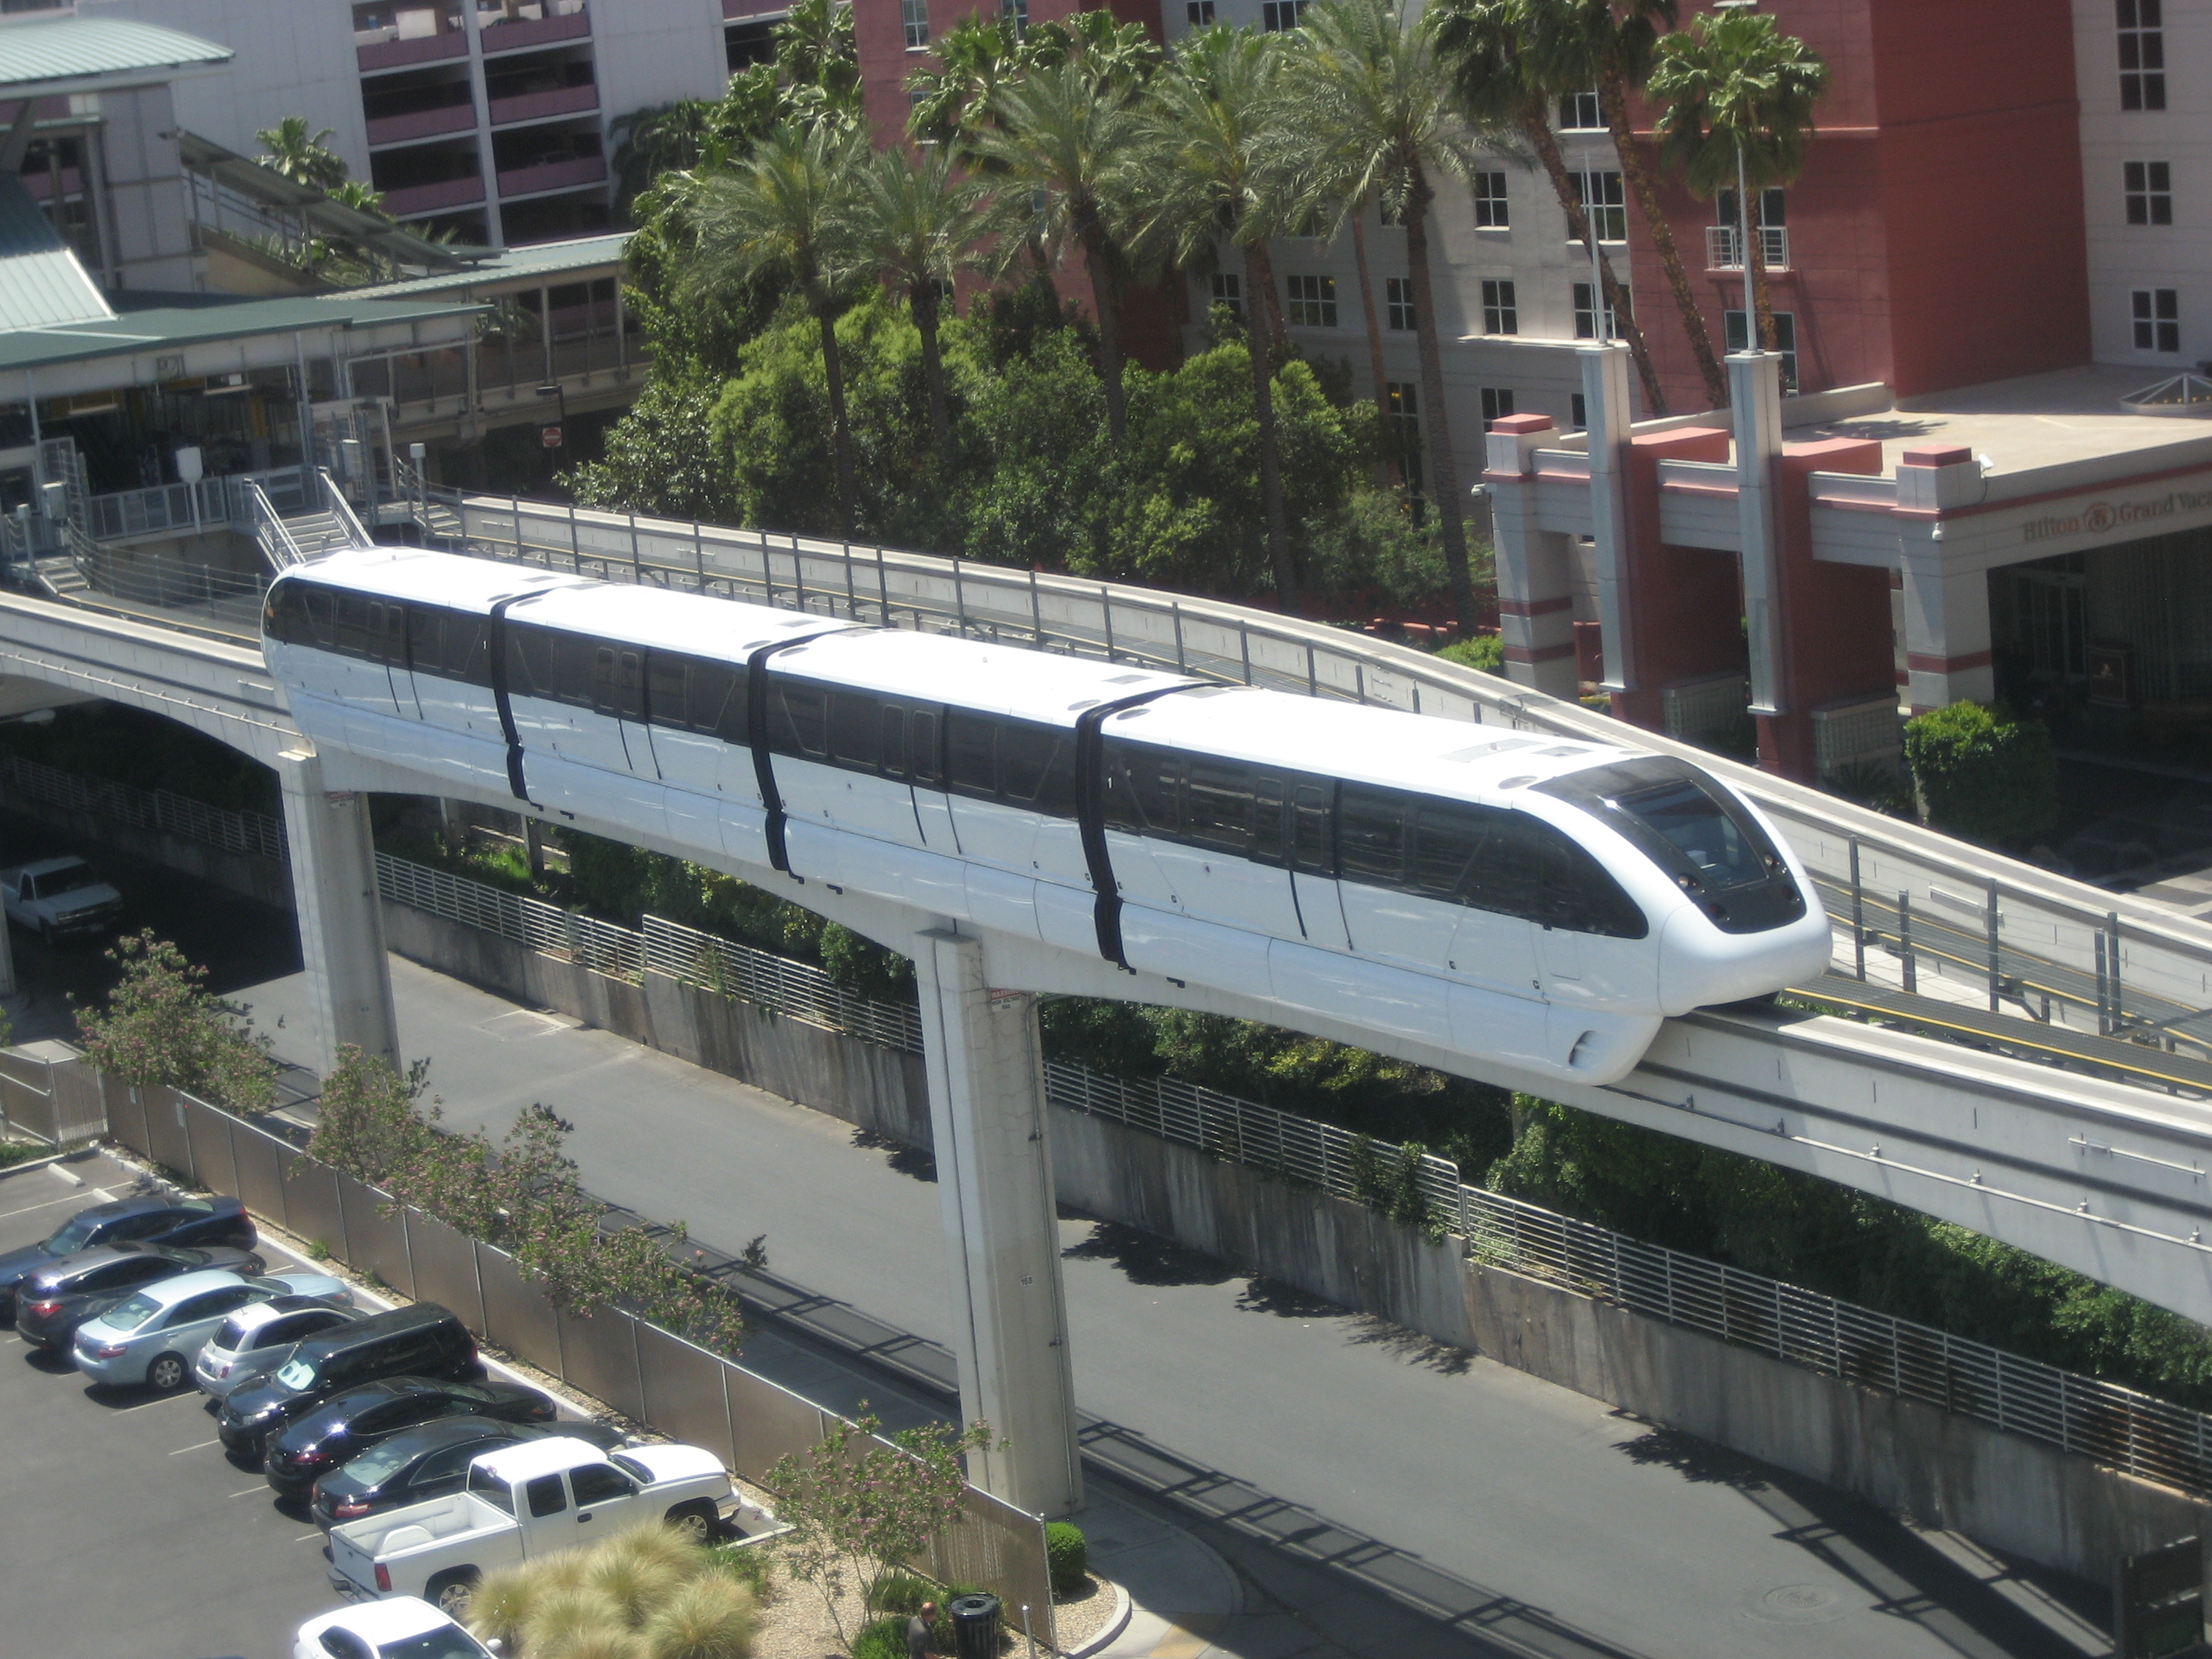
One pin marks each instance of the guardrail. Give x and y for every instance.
(256, 834)
(567, 935)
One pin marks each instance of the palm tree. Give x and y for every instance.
(660, 138)
(1372, 91)
(923, 223)
(973, 55)
(303, 157)
(1609, 45)
(1736, 98)
(1077, 144)
(786, 213)
(1213, 112)
(1499, 83)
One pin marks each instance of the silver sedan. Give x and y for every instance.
(152, 1337)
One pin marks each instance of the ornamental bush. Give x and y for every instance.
(1067, 1554)
(162, 1025)
(1485, 651)
(1982, 775)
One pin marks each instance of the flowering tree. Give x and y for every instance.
(162, 1025)
(861, 1508)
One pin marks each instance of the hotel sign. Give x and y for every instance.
(2141, 514)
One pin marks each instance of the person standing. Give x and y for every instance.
(921, 1633)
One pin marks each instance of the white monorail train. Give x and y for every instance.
(1496, 894)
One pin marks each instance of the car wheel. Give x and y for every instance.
(694, 1521)
(166, 1374)
(449, 1592)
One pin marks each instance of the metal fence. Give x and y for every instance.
(256, 834)
(548, 929)
(647, 1374)
(47, 1093)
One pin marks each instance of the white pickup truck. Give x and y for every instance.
(526, 1499)
(59, 898)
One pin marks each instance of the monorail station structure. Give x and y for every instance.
(1825, 559)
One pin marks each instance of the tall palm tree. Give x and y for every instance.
(656, 139)
(1212, 112)
(1500, 84)
(1736, 98)
(923, 223)
(303, 156)
(1078, 145)
(1373, 90)
(786, 213)
(973, 57)
(1609, 45)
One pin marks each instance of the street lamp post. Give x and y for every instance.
(558, 438)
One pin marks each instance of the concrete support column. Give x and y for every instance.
(1947, 626)
(1606, 410)
(1755, 388)
(1535, 566)
(341, 922)
(987, 1115)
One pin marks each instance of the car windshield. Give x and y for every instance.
(453, 1642)
(1680, 817)
(130, 1315)
(1693, 821)
(67, 881)
(296, 1374)
(71, 1238)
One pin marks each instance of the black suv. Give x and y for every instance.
(148, 1220)
(424, 1340)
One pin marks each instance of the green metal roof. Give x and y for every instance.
(41, 283)
(539, 262)
(165, 322)
(45, 55)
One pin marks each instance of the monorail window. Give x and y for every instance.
(1144, 790)
(618, 682)
(371, 628)
(1371, 835)
(555, 666)
(991, 758)
(798, 719)
(1218, 806)
(300, 613)
(452, 645)
(693, 693)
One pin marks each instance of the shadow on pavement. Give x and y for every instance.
(1146, 1259)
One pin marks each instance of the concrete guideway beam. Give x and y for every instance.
(995, 1180)
(340, 915)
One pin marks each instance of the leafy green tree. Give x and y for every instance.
(1371, 93)
(1736, 99)
(1375, 549)
(953, 101)
(1213, 114)
(786, 213)
(1504, 83)
(1983, 775)
(163, 1026)
(661, 456)
(301, 154)
(661, 138)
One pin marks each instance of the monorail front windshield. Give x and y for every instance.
(1695, 831)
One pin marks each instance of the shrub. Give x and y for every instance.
(504, 1600)
(566, 1613)
(903, 1593)
(636, 1572)
(711, 1617)
(1982, 774)
(1067, 1554)
(882, 1639)
(162, 1025)
(1485, 651)
(747, 1565)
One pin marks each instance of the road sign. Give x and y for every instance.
(549, 437)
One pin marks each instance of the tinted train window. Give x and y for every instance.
(798, 718)
(1018, 761)
(530, 671)
(856, 731)
(370, 628)
(1144, 789)
(694, 695)
(450, 644)
(971, 753)
(618, 682)
(1371, 835)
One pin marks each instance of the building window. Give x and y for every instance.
(1201, 14)
(1016, 13)
(1501, 313)
(2158, 318)
(1600, 195)
(1497, 403)
(1281, 16)
(1313, 301)
(1785, 341)
(1404, 408)
(2142, 54)
(916, 16)
(1229, 290)
(1586, 316)
(1577, 412)
(1490, 201)
(1398, 301)
(1579, 111)
(2149, 192)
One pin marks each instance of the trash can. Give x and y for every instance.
(975, 1626)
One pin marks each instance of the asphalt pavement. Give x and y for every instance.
(1378, 1493)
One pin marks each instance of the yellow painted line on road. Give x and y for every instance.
(202, 1446)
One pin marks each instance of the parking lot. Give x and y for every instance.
(125, 1528)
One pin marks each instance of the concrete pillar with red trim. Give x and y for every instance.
(1948, 655)
(1535, 566)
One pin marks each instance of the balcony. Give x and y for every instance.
(552, 175)
(517, 27)
(536, 105)
(393, 51)
(422, 123)
(1724, 247)
(411, 200)
(41, 185)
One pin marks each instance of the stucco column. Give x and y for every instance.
(987, 1116)
(1755, 389)
(1606, 410)
(1947, 624)
(1536, 569)
(341, 922)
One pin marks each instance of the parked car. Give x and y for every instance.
(59, 898)
(521, 1502)
(152, 1337)
(53, 1302)
(422, 1341)
(415, 1465)
(404, 1627)
(318, 1442)
(148, 1220)
(258, 1338)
